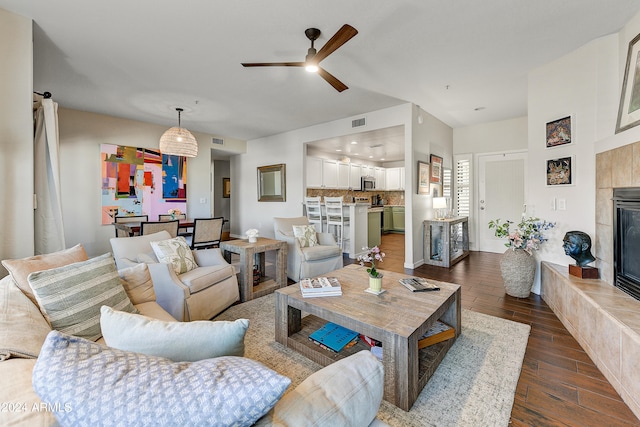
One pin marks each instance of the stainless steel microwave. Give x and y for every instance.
(368, 183)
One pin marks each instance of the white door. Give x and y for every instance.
(501, 188)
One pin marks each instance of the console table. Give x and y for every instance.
(446, 241)
(251, 253)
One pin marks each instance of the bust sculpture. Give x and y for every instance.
(577, 245)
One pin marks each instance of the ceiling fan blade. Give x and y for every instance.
(273, 64)
(344, 34)
(337, 84)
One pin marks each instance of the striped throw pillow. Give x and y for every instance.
(71, 296)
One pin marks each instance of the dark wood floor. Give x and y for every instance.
(559, 385)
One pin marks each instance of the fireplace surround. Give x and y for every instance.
(626, 240)
(603, 318)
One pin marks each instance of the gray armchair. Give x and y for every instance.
(199, 294)
(308, 261)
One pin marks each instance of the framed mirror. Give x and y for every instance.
(272, 183)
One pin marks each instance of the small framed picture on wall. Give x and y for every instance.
(561, 171)
(559, 132)
(423, 178)
(226, 188)
(436, 169)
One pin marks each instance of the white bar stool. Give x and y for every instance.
(336, 218)
(314, 212)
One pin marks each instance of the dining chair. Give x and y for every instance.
(314, 212)
(168, 217)
(207, 232)
(122, 219)
(155, 226)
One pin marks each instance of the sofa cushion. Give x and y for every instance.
(70, 297)
(22, 327)
(138, 284)
(116, 387)
(306, 235)
(321, 252)
(176, 252)
(203, 277)
(345, 393)
(178, 341)
(21, 268)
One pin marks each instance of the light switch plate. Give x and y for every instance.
(562, 204)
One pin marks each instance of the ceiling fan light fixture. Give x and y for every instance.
(178, 141)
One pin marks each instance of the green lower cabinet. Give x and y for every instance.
(373, 228)
(397, 212)
(387, 220)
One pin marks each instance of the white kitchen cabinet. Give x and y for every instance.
(343, 175)
(381, 178)
(329, 173)
(368, 170)
(395, 179)
(355, 173)
(314, 172)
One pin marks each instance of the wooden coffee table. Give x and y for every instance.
(397, 318)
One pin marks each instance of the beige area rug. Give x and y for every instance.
(473, 386)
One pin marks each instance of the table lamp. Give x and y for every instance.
(439, 204)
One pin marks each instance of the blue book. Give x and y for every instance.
(334, 337)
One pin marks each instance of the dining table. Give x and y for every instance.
(133, 228)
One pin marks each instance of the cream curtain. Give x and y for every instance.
(48, 227)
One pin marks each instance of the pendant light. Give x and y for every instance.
(178, 141)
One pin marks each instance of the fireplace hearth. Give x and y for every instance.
(626, 240)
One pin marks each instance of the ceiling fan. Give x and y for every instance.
(313, 58)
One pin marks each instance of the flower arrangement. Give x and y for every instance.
(528, 235)
(174, 212)
(371, 255)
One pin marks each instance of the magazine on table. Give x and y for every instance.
(418, 284)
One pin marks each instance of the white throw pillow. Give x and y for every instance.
(178, 341)
(306, 235)
(176, 252)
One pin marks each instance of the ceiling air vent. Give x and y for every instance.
(217, 141)
(357, 123)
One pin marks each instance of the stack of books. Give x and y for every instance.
(418, 284)
(334, 337)
(320, 287)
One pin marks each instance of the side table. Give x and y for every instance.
(253, 254)
(446, 241)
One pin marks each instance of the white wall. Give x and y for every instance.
(16, 137)
(494, 137)
(221, 205)
(288, 148)
(582, 84)
(429, 137)
(81, 134)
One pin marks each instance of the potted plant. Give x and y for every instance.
(372, 255)
(518, 265)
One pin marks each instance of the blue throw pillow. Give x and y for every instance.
(93, 385)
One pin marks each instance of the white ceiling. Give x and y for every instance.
(141, 59)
